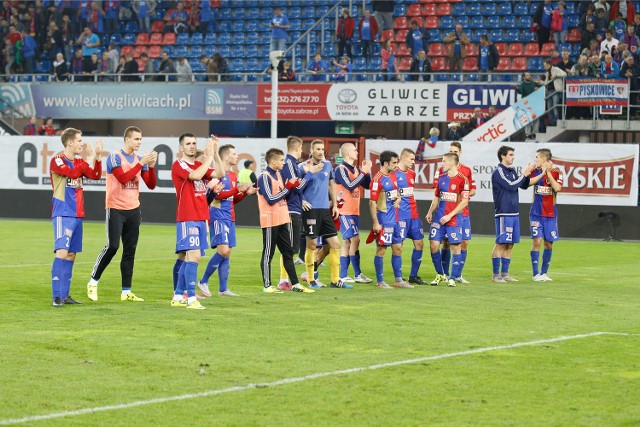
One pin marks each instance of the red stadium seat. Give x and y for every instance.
(519, 64)
(470, 64)
(418, 19)
(157, 27)
(443, 9)
(156, 38)
(401, 36)
(504, 64)
(429, 9)
(139, 50)
(431, 22)
(401, 23)
(155, 52)
(169, 38)
(531, 49)
(427, 1)
(436, 49)
(405, 64)
(438, 63)
(515, 49)
(501, 48)
(414, 10)
(142, 39)
(472, 49)
(387, 35)
(547, 48)
(126, 50)
(402, 50)
(574, 35)
(140, 65)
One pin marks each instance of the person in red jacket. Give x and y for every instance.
(47, 127)
(344, 32)
(368, 29)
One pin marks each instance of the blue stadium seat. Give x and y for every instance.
(181, 51)
(223, 26)
(267, 12)
(196, 65)
(265, 63)
(131, 27)
(532, 8)
(237, 51)
(446, 22)
(493, 21)
(225, 50)
(195, 52)
(524, 22)
(458, 9)
(434, 36)
(224, 13)
(357, 49)
(158, 15)
(359, 64)
(224, 39)
(527, 36)
(477, 22)
(237, 13)
(571, 7)
(509, 22)
(238, 38)
(440, 77)
(182, 38)
(504, 8)
(573, 21)
(252, 64)
(575, 50)
(296, 24)
(489, 9)
(496, 36)
(308, 12)
(252, 37)
(329, 51)
(473, 77)
(308, 23)
(473, 9)
(475, 35)
(460, 20)
(321, 10)
(512, 35)
(237, 26)
(521, 9)
(294, 12)
(374, 63)
(251, 3)
(196, 38)
(42, 78)
(375, 49)
(210, 50)
(170, 51)
(536, 64)
(251, 26)
(455, 77)
(236, 64)
(115, 39)
(128, 40)
(297, 64)
(209, 38)
(399, 9)
(253, 13)
(252, 51)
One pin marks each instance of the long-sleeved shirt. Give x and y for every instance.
(289, 171)
(264, 187)
(505, 183)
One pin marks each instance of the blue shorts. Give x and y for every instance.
(438, 232)
(320, 241)
(222, 232)
(413, 229)
(466, 228)
(544, 227)
(507, 229)
(191, 235)
(67, 233)
(349, 226)
(392, 234)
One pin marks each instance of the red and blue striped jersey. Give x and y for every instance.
(544, 198)
(450, 191)
(384, 191)
(66, 180)
(223, 206)
(464, 170)
(408, 208)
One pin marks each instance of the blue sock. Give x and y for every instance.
(56, 277)
(505, 266)
(355, 262)
(416, 261)
(463, 260)
(446, 257)
(496, 266)
(176, 269)
(65, 283)
(456, 266)
(213, 264)
(546, 260)
(190, 274)
(344, 266)
(396, 264)
(378, 263)
(181, 284)
(535, 258)
(223, 274)
(437, 262)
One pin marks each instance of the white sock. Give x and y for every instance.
(191, 300)
(93, 282)
(125, 293)
(177, 297)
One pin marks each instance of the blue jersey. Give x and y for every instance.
(289, 171)
(384, 191)
(505, 183)
(316, 191)
(405, 189)
(221, 209)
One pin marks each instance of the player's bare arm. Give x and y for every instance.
(373, 210)
(220, 169)
(459, 208)
(432, 208)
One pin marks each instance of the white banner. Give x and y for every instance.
(594, 174)
(387, 102)
(24, 163)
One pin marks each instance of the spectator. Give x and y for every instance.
(636, 24)
(595, 66)
(368, 29)
(106, 67)
(554, 90)
(587, 35)
(625, 8)
(95, 18)
(60, 69)
(177, 19)
(566, 63)
(120, 68)
(609, 44)
(248, 174)
(389, 66)
(383, 12)
(609, 68)
(477, 119)
(90, 43)
(205, 16)
(287, 74)
(593, 49)
(148, 67)
(114, 56)
(456, 41)
(209, 67)
(93, 66)
(631, 71)
(602, 23)
(125, 13)
(580, 69)
(488, 57)
(318, 67)
(420, 70)
(130, 69)
(454, 133)
(602, 5)
(30, 127)
(542, 22)
(417, 38)
(618, 27)
(631, 40)
(55, 43)
(222, 67)
(559, 24)
(47, 127)
(587, 18)
(526, 88)
(434, 133)
(344, 32)
(111, 13)
(183, 69)
(166, 67)
(279, 26)
(144, 9)
(343, 68)
(194, 18)
(68, 36)
(491, 113)
(621, 53)
(29, 47)
(554, 57)
(77, 65)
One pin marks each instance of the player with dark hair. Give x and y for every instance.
(383, 206)
(350, 183)
(66, 172)
(408, 214)
(275, 221)
(456, 148)
(124, 170)
(318, 216)
(445, 216)
(543, 217)
(222, 223)
(505, 182)
(192, 213)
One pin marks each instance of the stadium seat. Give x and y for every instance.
(196, 38)
(236, 64)
(437, 49)
(139, 50)
(489, 9)
(473, 9)
(470, 64)
(435, 36)
(477, 22)
(374, 64)
(195, 52)
(473, 77)
(443, 9)
(237, 13)
(429, 9)
(404, 64)
(521, 9)
(252, 51)
(238, 38)
(115, 39)
(403, 50)
(535, 64)
(170, 50)
(329, 51)
(512, 35)
(254, 13)
(573, 35)
(531, 49)
(155, 52)
(504, 64)
(400, 23)
(515, 49)
(445, 22)
(308, 23)
(157, 27)
(527, 36)
(455, 77)
(181, 50)
(129, 39)
(237, 51)
(156, 38)
(209, 38)
(504, 8)
(209, 50)
(509, 22)
(438, 63)
(463, 20)
(237, 26)
(496, 36)
(252, 64)
(308, 12)
(359, 64)
(131, 27)
(224, 39)
(401, 36)
(225, 51)
(182, 38)
(519, 64)
(546, 49)
(459, 9)
(441, 77)
(493, 21)
(472, 49)
(524, 22)
(386, 35)
(169, 39)
(573, 21)
(126, 50)
(223, 26)
(413, 10)
(399, 9)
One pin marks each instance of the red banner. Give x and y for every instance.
(295, 101)
(606, 178)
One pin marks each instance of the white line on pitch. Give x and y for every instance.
(294, 380)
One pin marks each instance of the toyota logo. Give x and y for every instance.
(347, 96)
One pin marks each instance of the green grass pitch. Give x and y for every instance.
(102, 354)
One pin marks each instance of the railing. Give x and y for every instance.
(9, 107)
